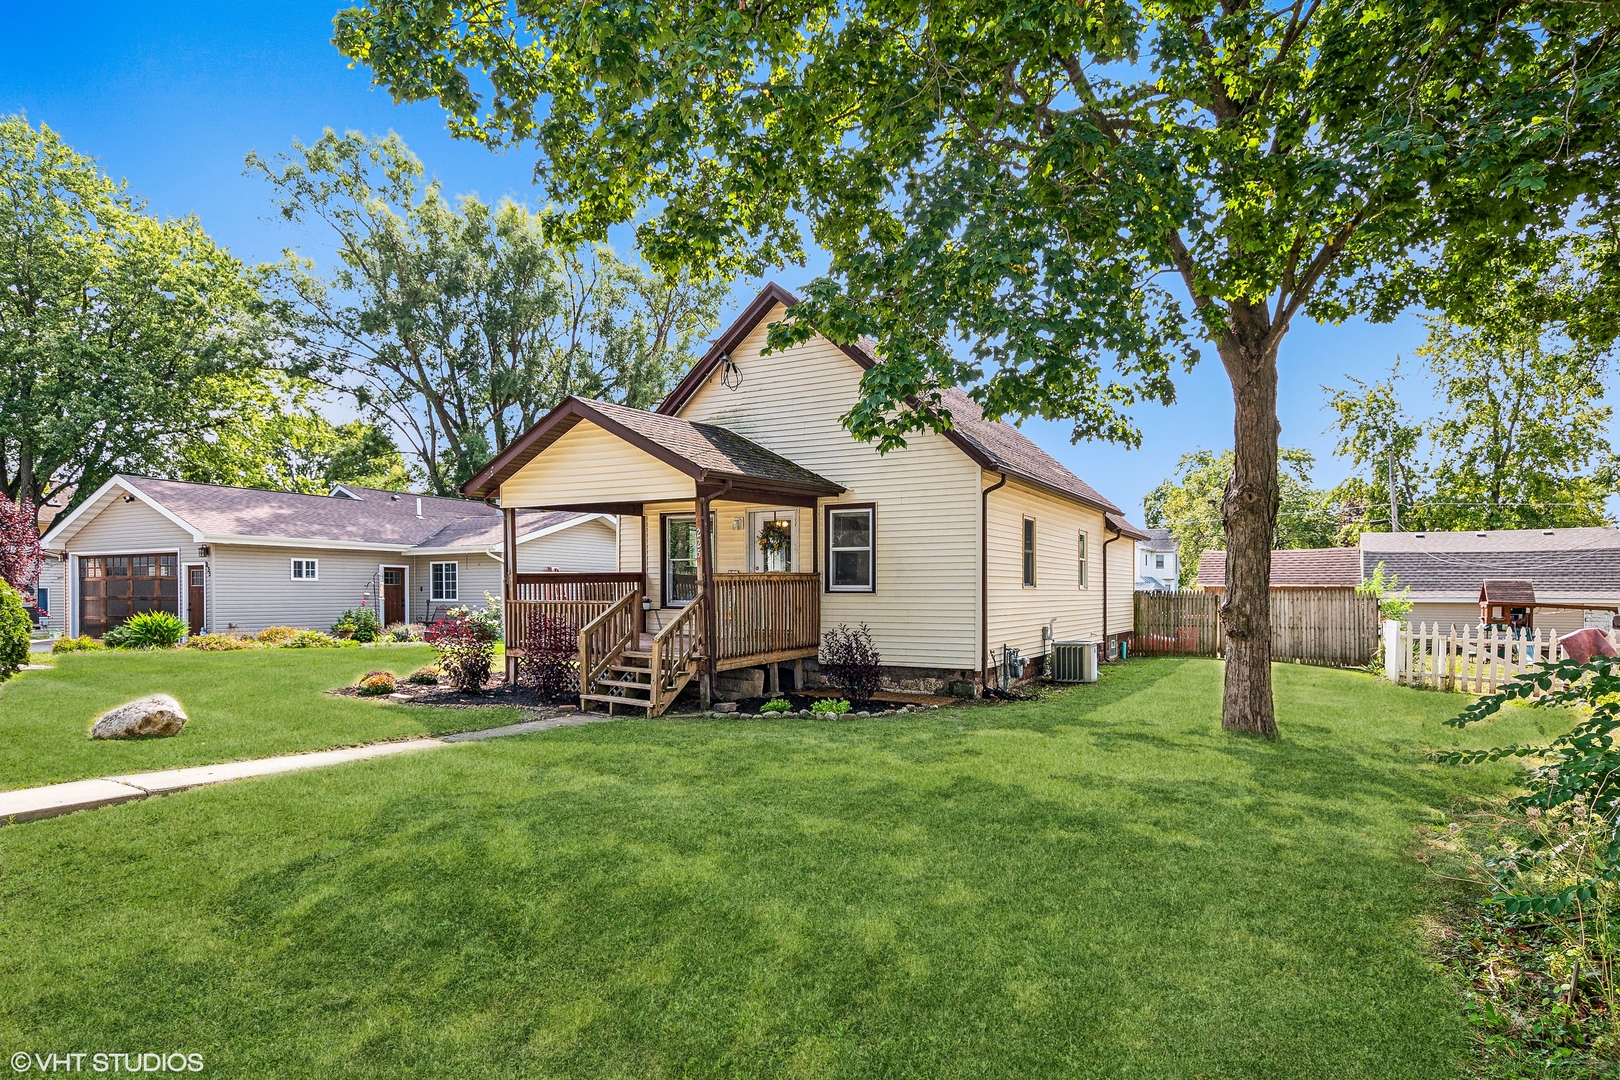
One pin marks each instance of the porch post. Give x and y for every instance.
(711, 624)
(508, 585)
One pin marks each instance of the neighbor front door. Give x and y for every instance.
(196, 597)
(393, 605)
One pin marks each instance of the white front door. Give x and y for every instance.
(773, 540)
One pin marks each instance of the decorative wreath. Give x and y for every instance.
(775, 536)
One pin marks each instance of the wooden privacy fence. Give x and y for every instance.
(1473, 659)
(1330, 627)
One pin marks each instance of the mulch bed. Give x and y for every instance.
(495, 692)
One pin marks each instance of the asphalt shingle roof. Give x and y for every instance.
(1565, 563)
(710, 447)
(1292, 568)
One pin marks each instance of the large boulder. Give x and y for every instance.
(147, 718)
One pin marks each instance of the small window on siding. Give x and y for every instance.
(446, 585)
(851, 549)
(1158, 562)
(1029, 553)
(306, 569)
(1085, 581)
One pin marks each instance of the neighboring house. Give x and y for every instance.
(240, 559)
(1158, 564)
(947, 550)
(1561, 579)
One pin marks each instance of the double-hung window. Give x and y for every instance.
(1085, 582)
(1029, 553)
(851, 549)
(306, 569)
(446, 580)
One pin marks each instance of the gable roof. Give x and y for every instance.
(1565, 563)
(359, 517)
(706, 452)
(991, 444)
(1160, 540)
(1292, 568)
(1498, 591)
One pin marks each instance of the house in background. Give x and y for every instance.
(1561, 579)
(240, 559)
(1158, 562)
(752, 521)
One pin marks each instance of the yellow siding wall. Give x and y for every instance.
(1018, 613)
(925, 611)
(589, 465)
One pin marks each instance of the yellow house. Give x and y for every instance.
(952, 550)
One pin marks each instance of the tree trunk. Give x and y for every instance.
(1249, 513)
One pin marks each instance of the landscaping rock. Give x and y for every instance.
(726, 707)
(147, 718)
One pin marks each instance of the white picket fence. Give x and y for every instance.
(1472, 659)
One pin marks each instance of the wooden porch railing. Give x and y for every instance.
(578, 598)
(677, 646)
(766, 615)
(604, 639)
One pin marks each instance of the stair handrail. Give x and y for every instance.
(685, 633)
(595, 658)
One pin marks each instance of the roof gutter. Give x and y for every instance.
(984, 579)
(1109, 526)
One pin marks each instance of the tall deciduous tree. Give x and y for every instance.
(1030, 179)
(115, 327)
(459, 326)
(1189, 505)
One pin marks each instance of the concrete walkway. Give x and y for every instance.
(29, 804)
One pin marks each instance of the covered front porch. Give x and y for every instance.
(688, 603)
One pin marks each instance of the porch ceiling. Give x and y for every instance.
(610, 458)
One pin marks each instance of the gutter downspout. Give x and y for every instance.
(984, 579)
(1107, 526)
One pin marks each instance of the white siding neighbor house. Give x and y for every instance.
(1158, 563)
(233, 560)
(949, 550)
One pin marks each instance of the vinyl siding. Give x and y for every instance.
(53, 576)
(1017, 614)
(588, 547)
(579, 549)
(730, 545)
(925, 610)
(113, 526)
(1560, 620)
(589, 465)
(252, 587)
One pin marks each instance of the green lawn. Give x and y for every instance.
(1098, 885)
(241, 704)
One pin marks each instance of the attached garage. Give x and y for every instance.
(114, 587)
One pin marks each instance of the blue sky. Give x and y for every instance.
(171, 97)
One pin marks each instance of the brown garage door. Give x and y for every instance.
(114, 587)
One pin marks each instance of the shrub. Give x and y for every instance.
(851, 662)
(220, 642)
(466, 646)
(550, 660)
(84, 643)
(424, 676)
(14, 630)
(776, 705)
(146, 630)
(312, 639)
(830, 707)
(377, 682)
(277, 635)
(358, 624)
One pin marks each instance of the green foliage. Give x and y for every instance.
(312, 639)
(83, 643)
(460, 325)
(830, 707)
(1394, 601)
(121, 335)
(465, 639)
(221, 643)
(1189, 505)
(271, 436)
(776, 705)
(1519, 442)
(14, 632)
(376, 683)
(146, 630)
(424, 676)
(358, 624)
(1580, 766)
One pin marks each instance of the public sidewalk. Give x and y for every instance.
(29, 804)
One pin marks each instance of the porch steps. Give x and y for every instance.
(628, 681)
